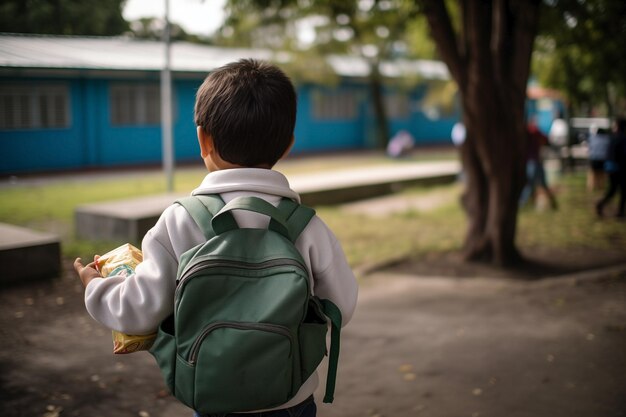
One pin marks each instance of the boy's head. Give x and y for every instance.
(248, 109)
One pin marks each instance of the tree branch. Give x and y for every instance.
(479, 24)
(523, 36)
(443, 34)
(499, 32)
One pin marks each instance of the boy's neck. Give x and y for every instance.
(220, 165)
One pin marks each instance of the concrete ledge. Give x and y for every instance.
(28, 255)
(123, 220)
(355, 184)
(129, 220)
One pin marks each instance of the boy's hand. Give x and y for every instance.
(86, 272)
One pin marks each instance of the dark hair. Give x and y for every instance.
(249, 108)
(620, 122)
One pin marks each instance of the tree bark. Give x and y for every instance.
(376, 89)
(490, 61)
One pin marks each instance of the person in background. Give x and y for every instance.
(615, 166)
(599, 140)
(400, 144)
(458, 135)
(559, 139)
(535, 173)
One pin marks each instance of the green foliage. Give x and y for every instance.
(580, 51)
(377, 30)
(63, 17)
(152, 28)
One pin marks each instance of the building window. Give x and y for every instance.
(397, 105)
(35, 106)
(135, 104)
(333, 105)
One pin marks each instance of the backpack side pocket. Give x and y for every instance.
(312, 339)
(164, 351)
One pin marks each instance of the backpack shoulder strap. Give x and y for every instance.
(334, 314)
(297, 215)
(202, 208)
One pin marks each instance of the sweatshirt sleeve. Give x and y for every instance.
(333, 278)
(138, 303)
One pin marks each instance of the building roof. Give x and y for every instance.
(126, 53)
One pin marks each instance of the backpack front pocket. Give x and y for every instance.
(251, 361)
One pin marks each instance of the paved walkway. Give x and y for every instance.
(417, 346)
(445, 347)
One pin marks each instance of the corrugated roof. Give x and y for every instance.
(125, 53)
(113, 53)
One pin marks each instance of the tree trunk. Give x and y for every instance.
(376, 89)
(495, 172)
(490, 61)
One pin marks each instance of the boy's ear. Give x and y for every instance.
(206, 142)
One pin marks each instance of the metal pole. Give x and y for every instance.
(166, 106)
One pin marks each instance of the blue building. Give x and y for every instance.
(84, 102)
(544, 105)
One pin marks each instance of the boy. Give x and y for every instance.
(245, 114)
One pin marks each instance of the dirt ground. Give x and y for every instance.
(434, 338)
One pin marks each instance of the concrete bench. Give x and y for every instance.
(28, 255)
(123, 220)
(347, 185)
(129, 220)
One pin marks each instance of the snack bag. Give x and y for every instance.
(123, 261)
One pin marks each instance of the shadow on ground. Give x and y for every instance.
(537, 264)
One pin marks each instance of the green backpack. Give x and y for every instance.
(246, 331)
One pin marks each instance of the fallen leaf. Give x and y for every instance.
(53, 411)
(405, 368)
(162, 394)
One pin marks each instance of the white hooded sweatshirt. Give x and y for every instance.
(137, 304)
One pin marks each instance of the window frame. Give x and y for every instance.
(35, 106)
(130, 104)
(335, 105)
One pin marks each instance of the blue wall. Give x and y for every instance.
(45, 149)
(92, 141)
(544, 111)
(327, 134)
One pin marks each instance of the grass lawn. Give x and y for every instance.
(414, 234)
(49, 206)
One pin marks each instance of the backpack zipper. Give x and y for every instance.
(266, 327)
(236, 264)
